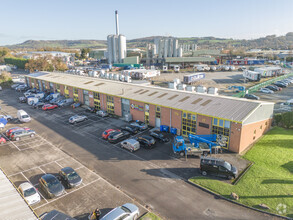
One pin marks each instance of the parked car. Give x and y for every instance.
(102, 113)
(251, 96)
(22, 99)
(13, 86)
(49, 107)
(141, 125)
(55, 215)
(159, 136)
(131, 129)
(107, 132)
(216, 166)
(90, 109)
(23, 116)
(130, 144)
(264, 90)
(146, 141)
(51, 185)
(76, 105)
(65, 102)
(2, 140)
(9, 131)
(127, 211)
(117, 136)
(7, 117)
(56, 100)
(30, 193)
(276, 87)
(77, 118)
(272, 88)
(18, 134)
(69, 178)
(21, 88)
(38, 105)
(282, 85)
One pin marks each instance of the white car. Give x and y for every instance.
(265, 90)
(102, 113)
(7, 117)
(30, 193)
(127, 211)
(77, 118)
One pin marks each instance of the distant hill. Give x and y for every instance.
(271, 41)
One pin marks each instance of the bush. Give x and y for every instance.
(19, 62)
(5, 79)
(287, 119)
(277, 119)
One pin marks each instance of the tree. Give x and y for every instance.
(4, 52)
(46, 63)
(84, 53)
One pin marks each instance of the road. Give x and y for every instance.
(146, 180)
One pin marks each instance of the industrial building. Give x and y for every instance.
(241, 121)
(116, 51)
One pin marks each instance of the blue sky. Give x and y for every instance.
(94, 19)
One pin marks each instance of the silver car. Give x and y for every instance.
(130, 144)
(127, 211)
(77, 118)
(102, 113)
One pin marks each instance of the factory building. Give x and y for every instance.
(116, 51)
(241, 121)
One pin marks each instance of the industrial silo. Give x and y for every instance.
(175, 47)
(121, 48)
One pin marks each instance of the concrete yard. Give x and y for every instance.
(111, 176)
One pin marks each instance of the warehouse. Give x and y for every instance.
(241, 121)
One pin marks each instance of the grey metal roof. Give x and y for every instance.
(12, 205)
(188, 59)
(230, 108)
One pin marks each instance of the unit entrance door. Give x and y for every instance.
(86, 97)
(158, 122)
(125, 107)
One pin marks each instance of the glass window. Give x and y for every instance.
(227, 124)
(221, 123)
(193, 117)
(184, 115)
(158, 109)
(215, 122)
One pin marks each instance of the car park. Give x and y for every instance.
(18, 134)
(117, 136)
(130, 128)
(51, 185)
(218, 167)
(107, 132)
(102, 113)
(251, 96)
(146, 141)
(130, 144)
(69, 178)
(38, 105)
(160, 136)
(77, 118)
(141, 125)
(49, 107)
(2, 140)
(29, 192)
(264, 90)
(90, 109)
(65, 102)
(7, 117)
(127, 211)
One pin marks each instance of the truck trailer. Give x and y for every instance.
(190, 78)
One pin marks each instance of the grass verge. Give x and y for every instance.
(269, 180)
(150, 216)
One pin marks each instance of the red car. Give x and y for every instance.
(106, 133)
(9, 131)
(2, 140)
(49, 106)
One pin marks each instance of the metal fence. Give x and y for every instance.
(261, 85)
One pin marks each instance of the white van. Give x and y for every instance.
(32, 100)
(130, 144)
(23, 116)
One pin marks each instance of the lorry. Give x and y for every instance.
(190, 78)
(251, 75)
(197, 144)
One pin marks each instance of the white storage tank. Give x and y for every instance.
(110, 76)
(213, 68)
(190, 88)
(106, 75)
(213, 91)
(201, 89)
(127, 79)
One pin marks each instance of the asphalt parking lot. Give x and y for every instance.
(111, 175)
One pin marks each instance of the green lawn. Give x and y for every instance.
(270, 179)
(150, 216)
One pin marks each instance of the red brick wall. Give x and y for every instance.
(91, 99)
(152, 115)
(136, 114)
(30, 82)
(165, 116)
(47, 85)
(203, 119)
(54, 87)
(62, 90)
(117, 106)
(70, 90)
(103, 99)
(252, 132)
(235, 135)
(176, 119)
(80, 95)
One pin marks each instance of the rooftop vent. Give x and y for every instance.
(153, 93)
(99, 84)
(185, 98)
(138, 91)
(196, 101)
(206, 102)
(88, 82)
(172, 97)
(144, 92)
(161, 96)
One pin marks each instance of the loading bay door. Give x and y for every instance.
(125, 107)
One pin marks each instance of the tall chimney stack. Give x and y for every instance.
(117, 24)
